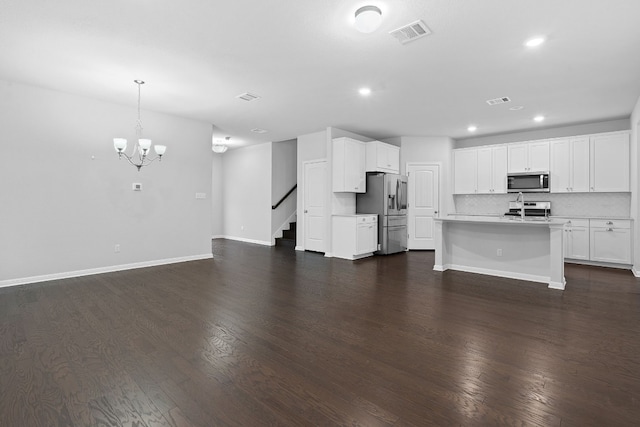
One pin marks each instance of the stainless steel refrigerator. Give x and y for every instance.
(386, 196)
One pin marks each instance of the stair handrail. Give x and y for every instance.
(284, 197)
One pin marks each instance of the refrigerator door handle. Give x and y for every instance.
(398, 195)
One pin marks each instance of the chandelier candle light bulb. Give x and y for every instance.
(139, 156)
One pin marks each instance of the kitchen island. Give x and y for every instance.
(507, 247)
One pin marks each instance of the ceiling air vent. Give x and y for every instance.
(258, 130)
(497, 101)
(248, 96)
(411, 32)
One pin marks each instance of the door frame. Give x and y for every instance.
(301, 218)
(440, 205)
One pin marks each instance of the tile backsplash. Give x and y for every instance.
(572, 204)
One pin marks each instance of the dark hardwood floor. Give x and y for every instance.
(269, 336)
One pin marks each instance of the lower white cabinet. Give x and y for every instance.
(602, 240)
(576, 239)
(354, 236)
(611, 241)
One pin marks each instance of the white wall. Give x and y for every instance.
(555, 132)
(431, 149)
(217, 228)
(284, 177)
(66, 199)
(635, 183)
(246, 194)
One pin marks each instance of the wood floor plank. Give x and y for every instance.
(270, 336)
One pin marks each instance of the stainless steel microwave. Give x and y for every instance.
(528, 182)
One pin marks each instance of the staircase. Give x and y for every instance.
(288, 237)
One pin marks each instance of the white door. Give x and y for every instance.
(424, 193)
(314, 212)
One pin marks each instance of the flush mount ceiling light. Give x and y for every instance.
(534, 42)
(368, 19)
(218, 145)
(472, 128)
(538, 118)
(364, 91)
(139, 156)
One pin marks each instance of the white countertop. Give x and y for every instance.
(488, 219)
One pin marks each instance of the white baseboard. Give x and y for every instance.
(600, 264)
(635, 272)
(218, 236)
(557, 285)
(498, 273)
(299, 248)
(100, 270)
(242, 239)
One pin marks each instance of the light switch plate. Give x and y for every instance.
(136, 186)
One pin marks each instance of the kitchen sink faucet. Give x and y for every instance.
(520, 199)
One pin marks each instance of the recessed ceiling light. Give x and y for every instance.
(364, 91)
(536, 41)
(472, 128)
(516, 108)
(538, 118)
(368, 19)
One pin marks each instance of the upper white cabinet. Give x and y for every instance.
(492, 169)
(382, 157)
(349, 165)
(528, 156)
(610, 162)
(480, 170)
(465, 167)
(569, 165)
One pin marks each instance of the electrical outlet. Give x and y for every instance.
(116, 248)
(201, 195)
(136, 186)
(499, 252)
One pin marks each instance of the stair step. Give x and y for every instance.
(286, 242)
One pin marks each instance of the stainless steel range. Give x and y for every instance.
(531, 209)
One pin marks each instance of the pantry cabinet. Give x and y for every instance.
(349, 166)
(528, 156)
(382, 157)
(354, 236)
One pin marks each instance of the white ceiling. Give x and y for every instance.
(306, 61)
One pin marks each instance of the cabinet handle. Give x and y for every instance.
(591, 188)
(305, 211)
(609, 223)
(609, 229)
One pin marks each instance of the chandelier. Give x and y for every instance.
(140, 155)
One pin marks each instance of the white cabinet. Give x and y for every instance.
(569, 171)
(465, 168)
(529, 156)
(349, 165)
(382, 157)
(602, 240)
(610, 162)
(492, 170)
(354, 236)
(611, 241)
(576, 239)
